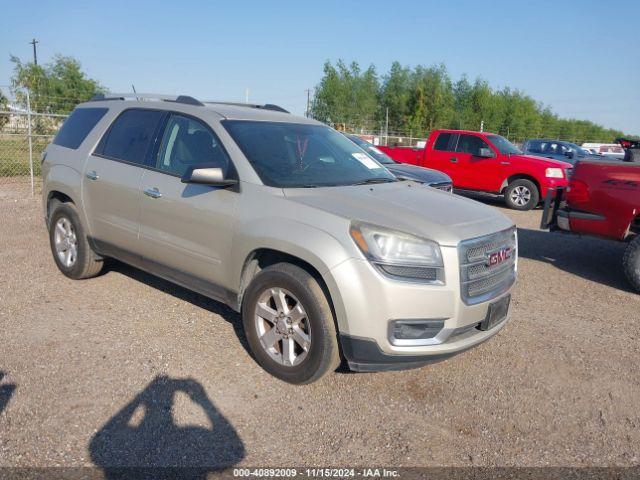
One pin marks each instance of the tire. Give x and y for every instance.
(632, 155)
(69, 245)
(522, 195)
(267, 338)
(631, 263)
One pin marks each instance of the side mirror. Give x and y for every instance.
(207, 176)
(485, 153)
(570, 154)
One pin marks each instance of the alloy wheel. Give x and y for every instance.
(282, 325)
(521, 195)
(66, 242)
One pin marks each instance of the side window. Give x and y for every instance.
(535, 146)
(187, 142)
(76, 128)
(130, 135)
(470, 144)
(442, 142)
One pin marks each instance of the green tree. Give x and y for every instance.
(395, 94)
(425, 98)
(346, 95)
(4, 106)
(56, 87)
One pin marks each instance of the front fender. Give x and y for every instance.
(306, 242)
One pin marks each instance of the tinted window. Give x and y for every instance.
(304, 155)
(534, 146)
(76, 128)
(471, 144)
(188, 142)
(130, 135)
(442, 142)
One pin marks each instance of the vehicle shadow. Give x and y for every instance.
(190, 296)
(183, 294)
(143, 441)
(6, 392)
(587, 257)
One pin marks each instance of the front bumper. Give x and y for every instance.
(370, 301)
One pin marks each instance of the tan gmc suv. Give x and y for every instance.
(324, 252)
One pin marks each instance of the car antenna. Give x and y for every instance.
(133, 87)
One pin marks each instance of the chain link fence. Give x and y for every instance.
(24, 134)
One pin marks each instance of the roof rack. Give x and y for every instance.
(101, 97)
(185, 99)
(266, 106)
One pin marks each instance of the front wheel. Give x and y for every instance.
(289, 324)
(522, 195)
(631, 263)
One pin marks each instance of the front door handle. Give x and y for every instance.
(152, 192)
(92, 175)
(453, 160)
(505, 163)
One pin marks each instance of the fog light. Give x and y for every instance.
(414, 332)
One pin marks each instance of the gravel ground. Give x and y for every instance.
(127, 369)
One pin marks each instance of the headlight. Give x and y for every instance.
(554, 173)
(399, 254)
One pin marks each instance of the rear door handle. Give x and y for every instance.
(453, 160)
(152, 192)
(92, 175)
(505, 163)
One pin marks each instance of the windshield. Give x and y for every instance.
(503, 145)
(289, 155)
(374, 152)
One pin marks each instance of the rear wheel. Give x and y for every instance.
(522, 195)
(71, 250)
(289, 324)
(631, 263)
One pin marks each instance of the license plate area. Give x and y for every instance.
(497, 313)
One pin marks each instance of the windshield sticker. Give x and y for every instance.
(367, 161)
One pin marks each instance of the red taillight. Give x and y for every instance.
(578, 192)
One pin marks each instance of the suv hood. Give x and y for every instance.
(548, 162)
(419, 174)
(406, 206)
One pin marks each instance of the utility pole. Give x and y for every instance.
(386, 128)
(35, 53)
(308, 112)
(246, 96)
(481, 125)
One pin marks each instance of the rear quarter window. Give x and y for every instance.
(77, 126)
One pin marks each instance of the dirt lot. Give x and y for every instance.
(126, 369)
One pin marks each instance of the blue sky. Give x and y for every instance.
(582, 58)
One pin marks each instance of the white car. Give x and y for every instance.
(608, 149)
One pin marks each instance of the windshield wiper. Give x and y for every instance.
(369, 181)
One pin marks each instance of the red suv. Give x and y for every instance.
(488, 163)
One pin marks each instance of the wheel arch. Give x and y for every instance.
(520, 176)
(50, 201)
(634, 227)
(263, 257)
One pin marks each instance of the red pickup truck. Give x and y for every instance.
(603, 199)
(488, 163)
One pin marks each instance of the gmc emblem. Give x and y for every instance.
(496, 258)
